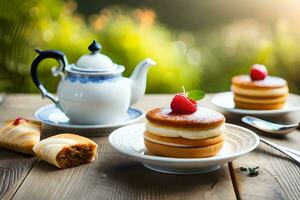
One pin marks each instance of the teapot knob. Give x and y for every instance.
(94, 47)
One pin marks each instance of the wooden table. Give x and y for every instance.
(114, 176)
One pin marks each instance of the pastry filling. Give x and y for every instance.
(75, 155)
(185, 133)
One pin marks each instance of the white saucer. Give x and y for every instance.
(129, 140)
(53, 117)
(224, 101)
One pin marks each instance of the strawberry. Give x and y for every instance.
(193, 101)
(19, 120)
(258, 72)
(181, 104)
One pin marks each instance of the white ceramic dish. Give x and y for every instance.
(224, 101)
(53, 117)
(129, 141)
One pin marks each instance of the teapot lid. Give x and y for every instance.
(95, 61)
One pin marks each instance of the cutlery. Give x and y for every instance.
(295, 155)
(255, 122)
(269, 126)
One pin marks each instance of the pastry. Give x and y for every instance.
(258, 91)
(196, 133)
(20, 135)
(66, 150)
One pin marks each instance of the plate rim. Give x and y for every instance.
(77, 126)
(256, 112)
(184, 160)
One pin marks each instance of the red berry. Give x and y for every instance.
(182, 105)
(193, 101)
(19, 120)
(258, 72)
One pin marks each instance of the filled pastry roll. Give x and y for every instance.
(20, 135)
(66, 150)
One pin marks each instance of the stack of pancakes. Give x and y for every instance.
(267, 94)
(194, 135)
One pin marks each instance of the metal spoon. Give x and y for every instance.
(269, 126)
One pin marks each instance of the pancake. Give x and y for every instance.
(270, 82)
(260, 101)
(251, 106)
(183, 152)
(202, 119)
(182, 142)
(193, 135)
(268, 94)
(260, 93)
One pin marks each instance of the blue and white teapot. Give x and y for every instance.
(93, 91)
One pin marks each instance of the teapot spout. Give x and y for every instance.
(138, 79)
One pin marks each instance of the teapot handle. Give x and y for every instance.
(62, 60)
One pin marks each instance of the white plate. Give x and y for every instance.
(129, 140)
(53, 117)
(225, 102)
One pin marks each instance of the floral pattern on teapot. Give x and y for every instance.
(91, 79)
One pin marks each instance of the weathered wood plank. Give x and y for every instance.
(114, 176)
(279, 176)
(14, 167)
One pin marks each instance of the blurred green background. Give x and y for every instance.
(198, 44)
